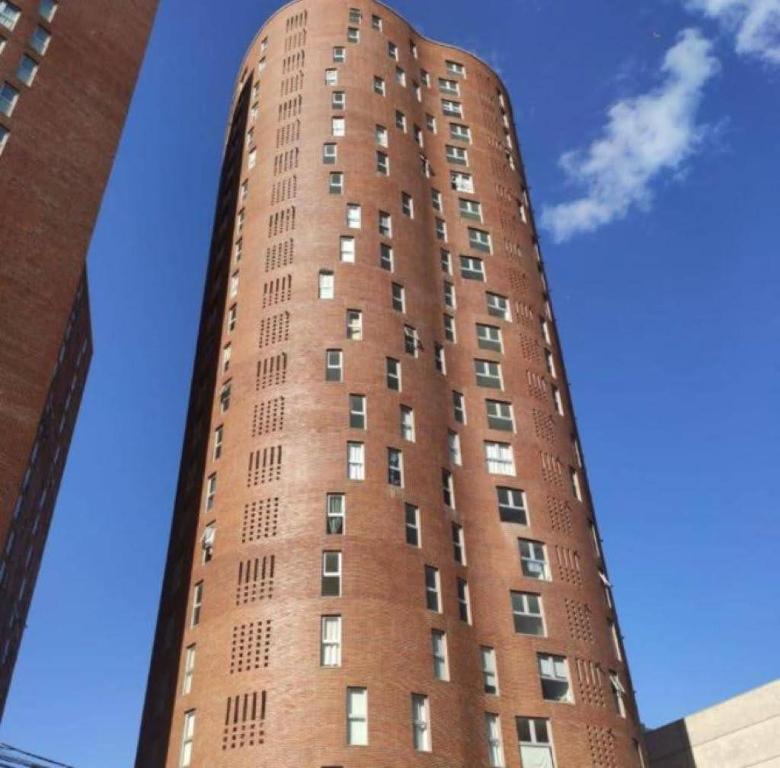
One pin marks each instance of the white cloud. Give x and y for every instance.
(755, 23)
(645, 136)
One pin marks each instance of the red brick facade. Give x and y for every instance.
(270, 423)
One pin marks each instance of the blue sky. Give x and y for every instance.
(666, 308)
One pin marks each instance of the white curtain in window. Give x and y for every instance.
(536, 756)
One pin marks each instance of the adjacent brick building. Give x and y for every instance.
(383, 549)
(67, 72)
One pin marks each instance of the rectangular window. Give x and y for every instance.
(618, 693)
(4, 134)
(437, 201)
(407, 205)
(330, 641)
(615, 640)
(499, 416)
(347, 249)
(446, 261)
(449, 295)
(9, 14)
(398, 297)
(533, 736)
(376, 22)
(357, 716)
(400, 77)
(224, 396)
(430, 123)
(462, 182)
(219, 434)
(407, 423)
(489, 337)
(480, 240)
(189, 670)
(439, 358)
(557, 399)
(339, 54)
(336, 183)
(489, 669)
(356, 461)
(412, 524)
(458, 407)
(456, 68)
(441, 669)
(234, 280)
(460, 132)
(381, 136)
(395, 467)
(499, 458)
(400, 120)
(354, 216)
(211, 492)
(338, 100)
(494, 741)
(326, 285)
(385, 224)
(449, 86)
(339, 126)
(447, 489)
(355, 16)
(545, 329)
(335, 513)
(432, 589)
(331, 76)
(472, 268)
(28, 68)
(39, 40)
(207, 543)
(353, 35)
(527, 612)
(392, 50)
(197, 604)
(470, 209)
(357, 412)
(449, 328)
(383, 163)
(554, 677)
(512, 506)
(226, 353)
(550, 363)
(452, 108)
(188, 736)
(533, 560)
(354, 325)
(8, 98)
(393, 369)
(464, 604)
(576, 488)
(386, 257)
(379, 85)
(498, 306)
(232, 318)
(458, 544)
(334, 365)
(421, 726)
(411, 341)
(488, 374)
(331, 574)
(453, 442)
(441, 230)
(418, 136)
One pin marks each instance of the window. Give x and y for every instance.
(458, 544)
(576, 488)
(449, 86)
(458, 407)
(189, 670)
(639, 754)
(499, 415)
(400, 77)
(457, 156)
(489, 669)
(554, 676)
(383, 163)
(339, 54)
(412, 524)
(447, 489)
(418, 136)
(453, 442)
(211, 491)
(386, 257)
(393, 369)
(336, 182)
(330, 641)
(449, 328)
(533, 560)
(407, 205)
(197, 604)
(334, 365)
(9, 14)
(385, 224)
(356, 461)
(557, 399)
(381, 135)
(226, 352)
(188, 736)
(4, 134)
(488, 374)
(326, 285)
(550, 362)
(331, 574)
(392, 50)
(462, 182)
(499, 458)
(395, 467)
(331, 76)
(357, 716)
(464, 605)
(545, 328)
(252, 161)
(449, 295)
(398, 296)
(472, 268)
(335, 513)
(527, 612)
(437, 200)
(347, 249)
(400, 120)
(353, 35)
(441, 230)
(354, 325)
(460, 132)
(456, 68)
(430, 123)
(615, 640)
(411, 341)
(339, 126)
(357, 411)
(40, 39)
(470, 209)
(441, 669)
(432, 589)
(533, 736)
(407, 423)
(338, 100)
(452, 108)
(379, 85)
(27, 70)
(354, 216)
(376, 22)
(355, 16)
(495, 742)
(498, 306)
(446, 261)
(8, 98)
(480, 240)
(207, 542)
(421, 730)
(439, 358)
(224, 396)
(219, 433)
(618, 693)
(234, 281)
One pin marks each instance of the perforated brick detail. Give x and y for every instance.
(568, 566)
(537, 387)
(560, 514)
(244, 721)
(601, 742)
(271, 372)
(277, 291)
(519, 281)
(274, 329)
(531, 349)
(265, 466)
(268, 417)
(255, 580)
(283, 190)
(590, 683)
(544, 426)
(261, 520)
(579, 620)
(279, 255)
(526, 316)
(250, 648)
(552, 470)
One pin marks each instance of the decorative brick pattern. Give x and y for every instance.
(601, 742)
(268, 417)
(568, 566)
(519, 281)
(537, 387)
(274, 330)
(271, 372)
(244, 721)
(277, 291)
(590, 683)
(560, 514)
(255, 580)
(265, 466)
(250, 648)
(544, 426)
(261, 520)
(532, 352)
(552, 470)
(279, 255)
(579, 620)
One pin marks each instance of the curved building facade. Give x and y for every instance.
(383, 550)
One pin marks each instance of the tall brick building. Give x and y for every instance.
(67, 72)
(383, 549)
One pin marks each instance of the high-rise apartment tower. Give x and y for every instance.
(383, 549)
(67, 72)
